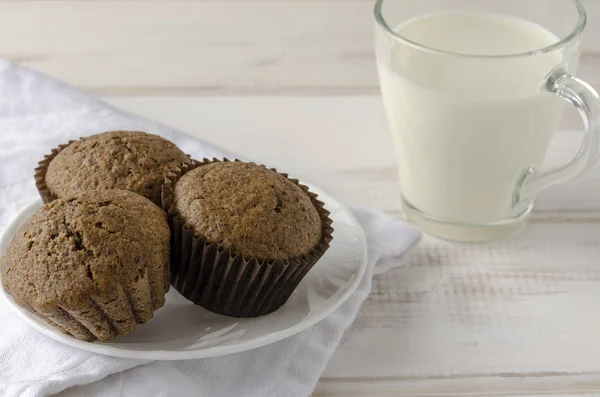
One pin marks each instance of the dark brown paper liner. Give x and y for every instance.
(40, 174)
(209, 274)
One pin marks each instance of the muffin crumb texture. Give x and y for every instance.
(249, 209)
(93, 265)
(129, 160)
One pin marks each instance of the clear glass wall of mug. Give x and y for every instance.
(474, 92)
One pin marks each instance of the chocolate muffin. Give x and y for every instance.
(128, 160)
(243, 235)
(94, 265)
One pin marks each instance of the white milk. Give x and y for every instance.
(465, 128)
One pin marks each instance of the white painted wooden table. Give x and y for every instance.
(518, 317)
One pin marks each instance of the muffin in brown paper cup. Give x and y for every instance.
(211, 275)
(94, 265)
(129, 160)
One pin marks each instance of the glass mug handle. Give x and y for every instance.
(581, 95)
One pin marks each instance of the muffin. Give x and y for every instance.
(93, 265)
(128, 160)
(243, 236)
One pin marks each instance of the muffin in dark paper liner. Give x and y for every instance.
(225, 281)
(129, 160)
(94, 265)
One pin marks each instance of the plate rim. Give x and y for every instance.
(211, 351)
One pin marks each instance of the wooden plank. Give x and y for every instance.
(346, 139)
(190, 47)
(514, 385)
(209, 47)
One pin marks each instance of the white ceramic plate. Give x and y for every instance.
(180, 330)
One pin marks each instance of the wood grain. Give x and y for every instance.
(516, 315)
(257, 47)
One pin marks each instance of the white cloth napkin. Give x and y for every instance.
(36, 114)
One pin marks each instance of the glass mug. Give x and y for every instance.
(474, 91)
